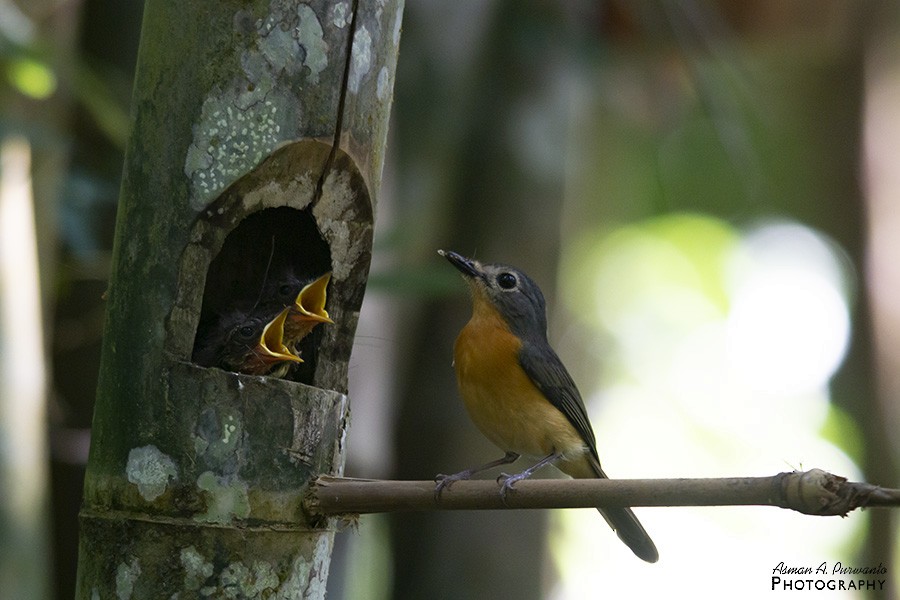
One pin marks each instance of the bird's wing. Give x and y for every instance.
(547, 372)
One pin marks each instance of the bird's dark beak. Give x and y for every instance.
(466, 266)
(271, 348)
(310, 302)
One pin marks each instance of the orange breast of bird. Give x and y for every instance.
(499, 396)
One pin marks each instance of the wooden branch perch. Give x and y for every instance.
(813, 492)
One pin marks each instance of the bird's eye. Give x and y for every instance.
(285, 289)
(506, 280)
(246, 331)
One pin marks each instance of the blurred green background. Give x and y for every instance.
(705, 190)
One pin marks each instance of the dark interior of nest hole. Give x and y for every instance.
(261, 251)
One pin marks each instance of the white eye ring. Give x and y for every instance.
(507, 280)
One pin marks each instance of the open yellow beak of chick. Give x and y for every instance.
(271, 347)
(307, 311)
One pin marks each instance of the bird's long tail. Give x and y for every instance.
(626, 524)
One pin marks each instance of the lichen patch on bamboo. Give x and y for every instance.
(218, 433)
(126, 575)
(150, 470)
(340, 14)
(226, 498)
(308, 579)
(256, 581)
(229, 141)
(335, 223)
(384, 84)
(311, 38)
(361, 62)
(398, 26)
(244, 120)
(196, 568)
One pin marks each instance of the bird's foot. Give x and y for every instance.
(507, 482)
(445, 481)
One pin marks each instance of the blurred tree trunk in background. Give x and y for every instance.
(490, 146)
(25, 563)
(881, 277)
(36, 100)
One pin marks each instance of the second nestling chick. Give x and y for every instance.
(246, 342)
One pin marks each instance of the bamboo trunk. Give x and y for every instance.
(258, 140)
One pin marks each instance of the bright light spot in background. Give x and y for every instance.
(32, 78)
(721, 346)
(788, 327)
